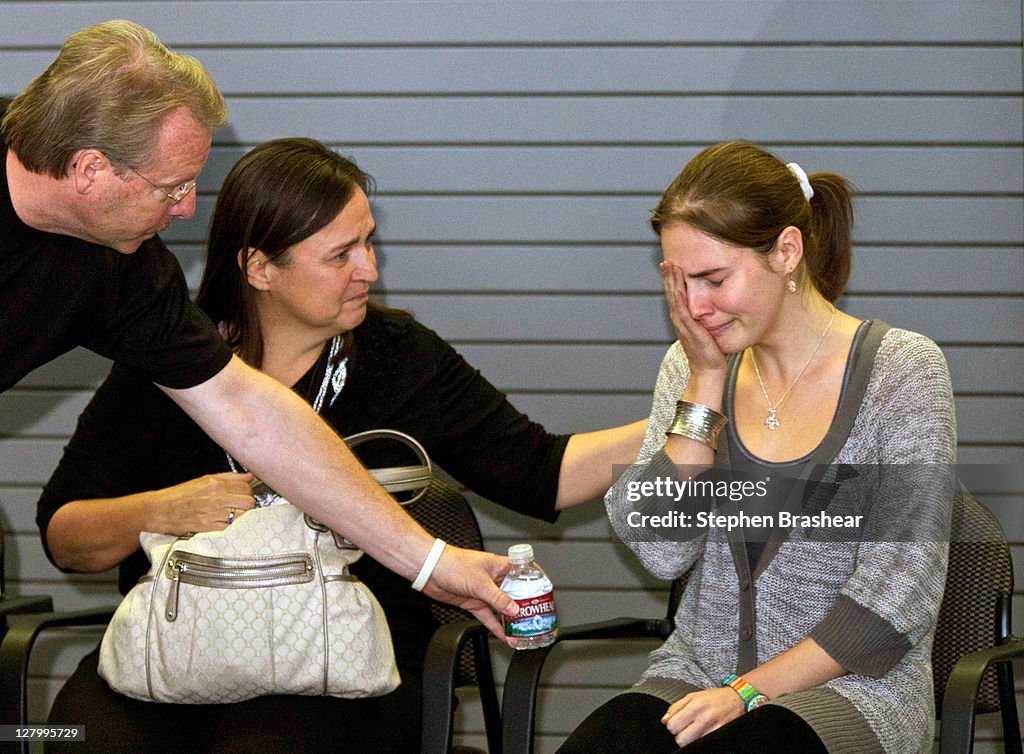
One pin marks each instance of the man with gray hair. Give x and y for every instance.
(100, 154)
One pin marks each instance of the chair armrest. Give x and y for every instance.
(26, 604)
(961, 689)
(16, 647)
(519, 699)
(440, 666)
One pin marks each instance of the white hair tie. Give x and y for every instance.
(801, 176)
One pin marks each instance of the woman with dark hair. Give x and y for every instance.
(289, 265)
(810, 456)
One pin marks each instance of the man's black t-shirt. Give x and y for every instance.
(58, 292)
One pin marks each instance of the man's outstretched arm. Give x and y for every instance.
(273, 432)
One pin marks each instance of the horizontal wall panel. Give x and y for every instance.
(565, 168)
(669, 119)
(969, 220)
(632, 268)
(658, 70)
(393, 22)
(28, 461)
(1009, 510)
(979, 420)
(940, 220)
(641, 318)
(586, 605)
(990, 420)
(18, 508)
(544, 367)
(39, 413)
(988, 320)
(33, 564)
(825, 70)
(585, 521)
(597, 367)
(979, 370)
(589, 565)
(69, 595)
(991, 470)
(923, 270)
(580, 318)
(76, 369)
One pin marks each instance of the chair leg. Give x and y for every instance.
(488, 693)
(14, 655)
(519, 701)
(439, 671)
(1008, 708)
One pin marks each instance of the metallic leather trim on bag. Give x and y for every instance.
(266, 606)
(233, 573)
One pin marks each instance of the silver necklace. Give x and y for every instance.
(334, 377)
(772, 421)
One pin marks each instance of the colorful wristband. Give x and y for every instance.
(752, 698)
(428, 565)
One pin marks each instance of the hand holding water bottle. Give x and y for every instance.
(537, 624)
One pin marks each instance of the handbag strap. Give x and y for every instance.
(414, 478)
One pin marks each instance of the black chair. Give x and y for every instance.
(442, 511)
(971, 658)
(11, 605)
(15, 605)
(974, 646)
(15, 653)
(458, 654)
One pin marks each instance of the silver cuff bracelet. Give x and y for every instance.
(697, 422)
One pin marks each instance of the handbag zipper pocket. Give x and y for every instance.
(233, 573)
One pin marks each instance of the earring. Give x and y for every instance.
(791, 285)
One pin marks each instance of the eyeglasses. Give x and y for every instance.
(176, 194)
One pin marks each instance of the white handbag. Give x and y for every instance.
(266, 606)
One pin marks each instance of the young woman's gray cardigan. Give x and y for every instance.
(871, 605)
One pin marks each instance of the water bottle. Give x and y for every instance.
(536, 625)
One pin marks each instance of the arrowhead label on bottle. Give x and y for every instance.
(536, 616)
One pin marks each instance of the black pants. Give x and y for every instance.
(272, 724)
(632, 723)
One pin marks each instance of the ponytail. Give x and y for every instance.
(828, 246)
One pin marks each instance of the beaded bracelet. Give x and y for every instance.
(752, 698)
(698, 423)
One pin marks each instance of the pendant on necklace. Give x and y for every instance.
(771, 422)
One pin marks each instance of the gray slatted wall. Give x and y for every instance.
(517, 148)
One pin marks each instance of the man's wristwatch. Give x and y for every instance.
(752, 698)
